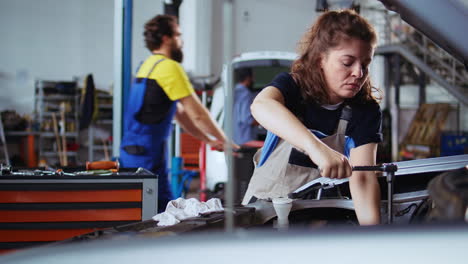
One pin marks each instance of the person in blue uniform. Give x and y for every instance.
(161, 92)
(327, 95)
(244, 123)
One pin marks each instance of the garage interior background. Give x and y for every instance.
(66, 39)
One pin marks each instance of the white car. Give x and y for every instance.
(265, 65)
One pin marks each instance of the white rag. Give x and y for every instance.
(180, 209)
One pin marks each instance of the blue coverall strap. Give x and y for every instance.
(271, 141)
(154, 66)
(137, 95)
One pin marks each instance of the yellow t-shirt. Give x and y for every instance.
(169, 74)
(165, 83)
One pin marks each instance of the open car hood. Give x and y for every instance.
(443, 21)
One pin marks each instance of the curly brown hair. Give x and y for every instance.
(156, 28)
(327, 32)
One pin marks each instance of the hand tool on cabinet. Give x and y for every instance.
(6, 170)
(103, 165)
(103, 168)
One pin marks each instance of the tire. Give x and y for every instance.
(449, 195)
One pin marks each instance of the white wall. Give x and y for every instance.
(143, 10)
(217, 38)
(52, 39)
(196, 26)
(258, 25)
(271, 24)
(59, 40)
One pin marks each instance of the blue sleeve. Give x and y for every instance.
(271, 141)
(244, 114)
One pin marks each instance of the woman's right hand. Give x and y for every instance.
(331, 163)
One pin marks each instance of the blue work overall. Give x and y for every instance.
(145, 145)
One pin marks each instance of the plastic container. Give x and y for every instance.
(453, 143)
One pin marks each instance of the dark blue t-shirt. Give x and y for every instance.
(364, 127)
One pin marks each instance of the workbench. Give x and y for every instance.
(38, 209)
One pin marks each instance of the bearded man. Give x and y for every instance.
(160, 92)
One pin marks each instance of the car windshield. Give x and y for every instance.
(264, 75)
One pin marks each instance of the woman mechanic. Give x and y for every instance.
(323, 117)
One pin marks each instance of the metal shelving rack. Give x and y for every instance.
(52, 97)
(104, 121)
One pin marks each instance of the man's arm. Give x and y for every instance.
(186, 123)
(196, 119)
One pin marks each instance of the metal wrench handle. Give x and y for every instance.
(385, 167)
(388, 170)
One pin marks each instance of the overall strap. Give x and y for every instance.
(346, 114)
(154, 66)
(136, 98)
